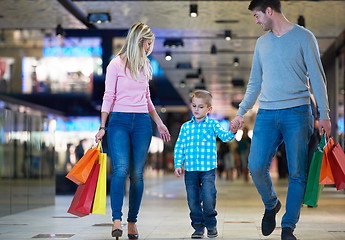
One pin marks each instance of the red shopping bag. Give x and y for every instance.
(83, 198)
(326, 176)
(337, 162)
(80, 172)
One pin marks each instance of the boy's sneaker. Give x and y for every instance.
(212, 233)
(268, 223)
(287, 234)
(198, 233)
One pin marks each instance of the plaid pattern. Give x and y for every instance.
(195, 147)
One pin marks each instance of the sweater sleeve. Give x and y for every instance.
(111, 78)
(150, 105)
(317, 75)
(253, 86)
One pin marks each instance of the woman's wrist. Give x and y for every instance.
(100, 128)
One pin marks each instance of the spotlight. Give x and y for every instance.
(168, 56)
(59, 30)
(227, 35)
(173, 42)
(98, 17)
(182, 84)
(301, 21)
(193, 12)
(213, 49)
(236, 61)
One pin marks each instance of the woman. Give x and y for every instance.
(127, 96)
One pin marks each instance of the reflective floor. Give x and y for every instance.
(164, 215)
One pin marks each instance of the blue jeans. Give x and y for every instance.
(129, 137)
(294, 126)
(201, 197)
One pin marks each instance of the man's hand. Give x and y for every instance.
(236, 123)
(178, 172)
(325, 126)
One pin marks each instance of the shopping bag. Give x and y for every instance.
(83, 198)
(313, 188)
(326, 176)
(337, 162)
(80, 172)
(99, 202)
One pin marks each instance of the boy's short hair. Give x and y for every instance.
(262, 5)
(206, 95)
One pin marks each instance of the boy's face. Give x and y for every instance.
(199, 108)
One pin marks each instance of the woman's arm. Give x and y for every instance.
(101, 131)
(162, 129)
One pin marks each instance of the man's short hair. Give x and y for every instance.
(206, 95)
(262, 5)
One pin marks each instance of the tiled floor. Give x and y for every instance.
(164, 215)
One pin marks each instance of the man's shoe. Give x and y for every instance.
(268, 223)
(212, 233)
(198, 233)
(287, 234)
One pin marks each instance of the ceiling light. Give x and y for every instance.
(173, 42)
(182, 84)
(301, 21)
(236, 61)
(227, 35)
(213, 49)
(98, 17)
(193, 12)
(59, 30)
(168, 56)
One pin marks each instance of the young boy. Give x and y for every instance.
(195, 149)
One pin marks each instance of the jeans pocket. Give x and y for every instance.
(301, 109)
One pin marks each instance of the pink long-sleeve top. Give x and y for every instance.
(130, 95)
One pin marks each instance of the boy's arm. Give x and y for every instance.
(224, 135)
(179, 152)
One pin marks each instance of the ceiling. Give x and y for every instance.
(170, 19)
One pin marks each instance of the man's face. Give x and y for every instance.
(263, 19)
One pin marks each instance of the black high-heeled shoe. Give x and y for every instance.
(133, 236)
(116, 233)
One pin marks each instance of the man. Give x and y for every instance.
(286, 59)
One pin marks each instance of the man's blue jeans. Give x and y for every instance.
(201, 197)
(129, 137)
(294, 126)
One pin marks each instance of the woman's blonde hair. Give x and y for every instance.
(132, 49)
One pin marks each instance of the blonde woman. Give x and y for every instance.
(127, 97)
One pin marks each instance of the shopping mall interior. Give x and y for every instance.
(53, 60)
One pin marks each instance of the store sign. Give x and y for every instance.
(72, 52)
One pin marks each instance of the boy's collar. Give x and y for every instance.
(204, 120)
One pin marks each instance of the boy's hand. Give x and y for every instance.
(178, 172)
(236, 123)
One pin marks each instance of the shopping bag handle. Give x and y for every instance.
(98, 146)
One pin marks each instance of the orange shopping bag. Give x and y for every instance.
(326, 176)
(80, 172)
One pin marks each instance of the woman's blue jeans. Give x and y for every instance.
(294, 126)
(129, 137)
(201, 197)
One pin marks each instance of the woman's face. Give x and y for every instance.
(147, 45)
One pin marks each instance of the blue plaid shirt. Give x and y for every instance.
(195, 147)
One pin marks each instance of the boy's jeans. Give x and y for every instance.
(129, 137)
(294, 126)
(201, 196)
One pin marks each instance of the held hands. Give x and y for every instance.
(164, 132)
(178, 172)
(99, 135)
(236, 124)
(325, 126)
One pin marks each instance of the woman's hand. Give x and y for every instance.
(164, 132)
(99, 135)
(178, 172)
